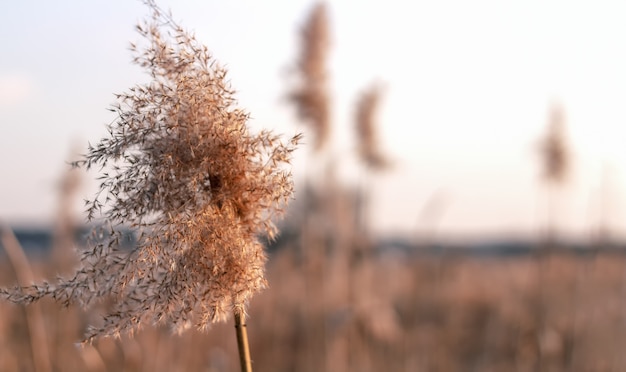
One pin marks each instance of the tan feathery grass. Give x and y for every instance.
(556, 162)
(368, 147)
(34, 314)
(556, 166)
(366, 128)
(554, 149)
(311, 93)
(63, 254)
(182, 168)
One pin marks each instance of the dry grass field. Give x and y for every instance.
(333, 303)
(563, 313)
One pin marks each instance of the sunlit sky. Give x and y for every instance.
(469, 86)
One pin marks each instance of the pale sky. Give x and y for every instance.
(469, 85)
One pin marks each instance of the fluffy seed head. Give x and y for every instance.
(554, 148)
(181, 167)
(311, 94)
(365, 120)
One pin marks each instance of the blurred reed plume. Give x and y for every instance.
(63, 253)
(311, 93)
(554, 149)
(368, 150)
(366, 121)
(555, 156)
(181, 168)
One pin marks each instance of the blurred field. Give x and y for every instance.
(335, 303)
(556, 313)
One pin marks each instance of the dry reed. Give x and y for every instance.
(63, 253)
(311, 93)
(365, 121)
(478, 316)
(556, 167)
(556, 162)
(181, 168)
(34, 315)
(554, 149)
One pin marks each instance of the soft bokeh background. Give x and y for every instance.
(468, 88)
(468, 259)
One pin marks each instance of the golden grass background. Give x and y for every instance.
(418, 314)
(335, 303)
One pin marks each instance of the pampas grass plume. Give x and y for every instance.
(181, 167)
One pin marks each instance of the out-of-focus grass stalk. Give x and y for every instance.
(34, 315)
(556, 162)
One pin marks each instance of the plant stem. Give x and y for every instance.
(34, 313)
(242, 341)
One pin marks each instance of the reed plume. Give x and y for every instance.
(311, 93)
(556, 164)
(365, 122)
(555, 156)
(63, 254)
(554, 149)
(181, 167)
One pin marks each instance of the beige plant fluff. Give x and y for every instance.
(554, 148)
(311, 94)
(365, 122)
(182, 168)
